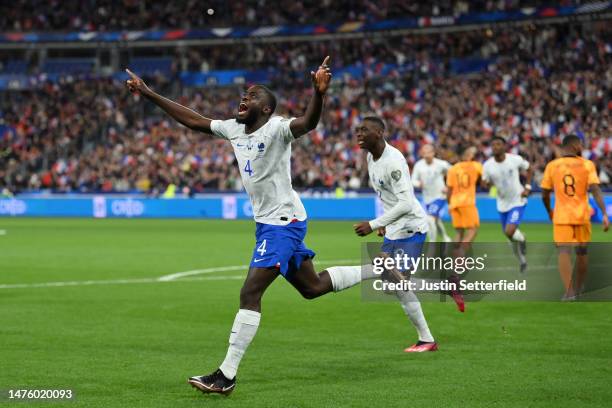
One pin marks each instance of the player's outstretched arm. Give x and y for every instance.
(182, 114)
(596, 191)
(320, 83)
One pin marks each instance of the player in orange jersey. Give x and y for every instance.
(571, 177)
(461, 180)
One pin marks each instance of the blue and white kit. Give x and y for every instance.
(264, 160)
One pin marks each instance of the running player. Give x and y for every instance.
(262, 145)
(461, 181)
(503, 171)
(572, 177)
(403, 222)
(428, 175)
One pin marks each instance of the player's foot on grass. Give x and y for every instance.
(456, 293)
(422, 346)
(215, 383)
(522, 250)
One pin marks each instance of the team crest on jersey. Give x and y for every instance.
(260, 150)
(396, 175)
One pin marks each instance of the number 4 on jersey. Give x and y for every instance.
(262, 248)
(248, 168)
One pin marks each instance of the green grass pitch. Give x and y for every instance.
(134, 342)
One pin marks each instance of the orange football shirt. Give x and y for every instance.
(570, 178)
(462, 178)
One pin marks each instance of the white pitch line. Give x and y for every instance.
(167, 278)
(111, 282)
(179, 275)
(2, 232)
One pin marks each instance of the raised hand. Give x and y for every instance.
(321, 78)
(135, 84)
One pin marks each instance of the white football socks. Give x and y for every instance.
(432, 228)
(344, 277)
(244, 329)
(442, 230)
(412, 307)
(518, 236)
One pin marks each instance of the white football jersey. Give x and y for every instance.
(390, 178)
(264, 161)
(431, 178)
(505, 177)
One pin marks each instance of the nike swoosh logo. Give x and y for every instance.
(239, 145)
(257, 260)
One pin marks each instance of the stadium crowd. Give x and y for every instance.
(92, 135)
(104, 15)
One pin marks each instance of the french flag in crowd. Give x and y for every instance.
(430, 137)
(547, 130)
(417, 93)
(506, 83)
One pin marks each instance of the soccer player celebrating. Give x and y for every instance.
(461, 181)
(571, 177)
(503, 171)
(262, 146)
(404, 222)
(428, 175)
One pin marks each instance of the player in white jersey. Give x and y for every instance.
(403, 222)
(262, 145)
(503, 171)
(429, 175)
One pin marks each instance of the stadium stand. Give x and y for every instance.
(535, 83)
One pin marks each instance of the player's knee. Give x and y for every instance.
(510, 230)
(249, 296)
(311, 292)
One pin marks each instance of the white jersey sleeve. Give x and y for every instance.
(403, 214)
(222, 128)
(522, 163)
(486, 171)
(283, 128)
